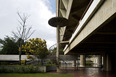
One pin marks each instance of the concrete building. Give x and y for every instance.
(91, 29)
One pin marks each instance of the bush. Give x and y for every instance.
(30, 57)
(19, 69)
(23, 61)
(89, 63)
(4, 63)
(2, 70)
(50, 63)
(6, 70)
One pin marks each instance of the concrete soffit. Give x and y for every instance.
(94, 6)
(64, 11)
(65, 2)
(65, 7)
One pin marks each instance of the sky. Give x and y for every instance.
(39, 11)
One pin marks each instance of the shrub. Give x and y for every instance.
(50, 63)
(2, 69)
(89, 63)
(19, 69)
(23, 61)
(30, 57)
(4, 63)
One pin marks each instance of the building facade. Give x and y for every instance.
(91, 29)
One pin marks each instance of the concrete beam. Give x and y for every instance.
(64, 42)
(63, 12)
(67, 4)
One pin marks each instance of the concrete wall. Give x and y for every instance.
(14, 57)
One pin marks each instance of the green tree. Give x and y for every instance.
(36, 47)
(54, 51)
(9, 46)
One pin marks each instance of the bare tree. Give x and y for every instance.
(23, 32)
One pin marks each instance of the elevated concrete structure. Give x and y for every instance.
(91, 29)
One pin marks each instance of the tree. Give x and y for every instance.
(52, 55)
(23, 32)
(54, 51)
(9, 46)
(36, 47)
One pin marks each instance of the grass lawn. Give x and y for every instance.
(32, 75)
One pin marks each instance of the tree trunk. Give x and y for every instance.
(42, 62)
(20, 51)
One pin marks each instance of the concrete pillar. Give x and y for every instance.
(75, 65)
(58, 48)
(107, 63)
(99, 62)
(104, 62)
(82, 60)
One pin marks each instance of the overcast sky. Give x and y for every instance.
(40, 12)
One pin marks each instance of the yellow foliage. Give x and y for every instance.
(23, 61)
(30, 57)
(35, 47)
(19, 48)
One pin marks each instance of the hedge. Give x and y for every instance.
(19, 69)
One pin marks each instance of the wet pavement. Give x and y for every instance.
(87, 72)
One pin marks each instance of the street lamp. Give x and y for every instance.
(58, 22)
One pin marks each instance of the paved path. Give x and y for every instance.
(88, 72)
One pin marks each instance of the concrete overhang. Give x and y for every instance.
(100, 41)
(76, 12)
(100, 37)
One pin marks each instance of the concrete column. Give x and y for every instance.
(82, 60)
(107, 63)
(99, 62)
(74, 64)
(58, 48)
(104, 62)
